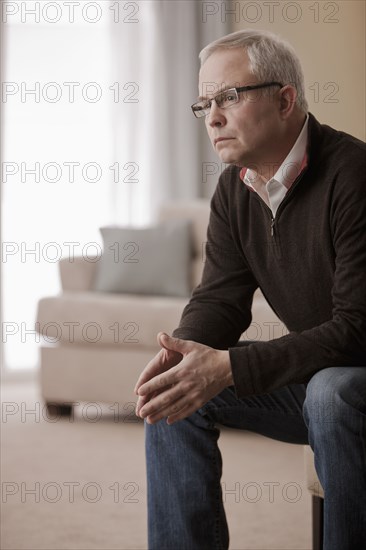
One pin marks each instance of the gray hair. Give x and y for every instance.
(271, 58)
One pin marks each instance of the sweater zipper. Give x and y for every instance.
(291, 190)
(272, 227)
(286, 198)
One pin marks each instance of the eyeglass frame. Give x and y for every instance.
(237, 90)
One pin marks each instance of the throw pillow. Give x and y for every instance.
(154, 260)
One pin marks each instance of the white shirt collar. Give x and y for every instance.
(277, 187)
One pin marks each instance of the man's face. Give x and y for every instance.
(252, 126)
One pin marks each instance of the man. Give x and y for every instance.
(289, 216)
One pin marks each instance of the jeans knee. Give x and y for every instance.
(334, 392)
(162, 433)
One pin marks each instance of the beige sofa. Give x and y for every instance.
(104, 340)
(95, 344)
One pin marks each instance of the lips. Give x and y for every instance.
(217, 140)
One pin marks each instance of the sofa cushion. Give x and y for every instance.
(129, 319)
(107, 319)
(154, 260)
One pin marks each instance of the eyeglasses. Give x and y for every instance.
(226, 99)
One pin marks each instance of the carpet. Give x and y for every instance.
(78, 483)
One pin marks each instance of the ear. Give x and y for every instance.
(287, 101)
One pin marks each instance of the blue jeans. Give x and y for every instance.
(184, 465)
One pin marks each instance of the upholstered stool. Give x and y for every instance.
(316, 490)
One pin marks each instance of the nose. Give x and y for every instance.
(216, 116)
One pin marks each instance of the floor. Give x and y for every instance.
(79, 482)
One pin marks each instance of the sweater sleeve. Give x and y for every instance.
(220, 307)
(340, 341)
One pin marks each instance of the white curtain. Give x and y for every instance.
(140, 134)
(158, 133)
(56, 184)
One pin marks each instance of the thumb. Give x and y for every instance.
(172, 344)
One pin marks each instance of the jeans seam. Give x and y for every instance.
(218, 502)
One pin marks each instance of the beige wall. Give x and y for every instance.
(329, 38)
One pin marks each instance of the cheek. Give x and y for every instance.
(245, 120)
(253, 124)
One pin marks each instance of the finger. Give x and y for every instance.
(161, 403)
(181, 414)
(163, 361)
(153, 368)
(159, 382)
(173, 408)
(174, 344)
(142, 401)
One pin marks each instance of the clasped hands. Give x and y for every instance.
(180, 379)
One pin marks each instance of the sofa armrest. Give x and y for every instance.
(77, 275)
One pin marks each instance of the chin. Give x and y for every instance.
(224, 155)
(232, 156)
(229, 159)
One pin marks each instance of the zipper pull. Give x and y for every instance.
(272, 226)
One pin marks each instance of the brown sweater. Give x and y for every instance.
(310, 266)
